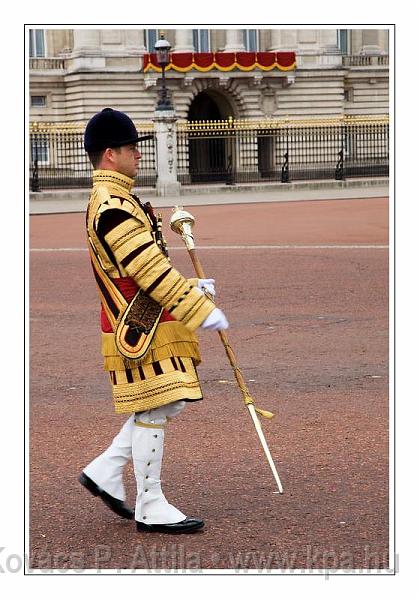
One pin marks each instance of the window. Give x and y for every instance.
(38, 101)
(250, 37)
(152, 36)
(342, 40)
(40, 151)
(201, 40)
(36, 43)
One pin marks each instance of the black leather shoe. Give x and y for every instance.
(186, 526)
(117, 506)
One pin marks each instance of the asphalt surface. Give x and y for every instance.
(305, 288)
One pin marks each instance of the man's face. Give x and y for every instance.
(126, 159)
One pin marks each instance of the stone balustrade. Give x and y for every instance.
(365, 60)
(354, 60)
(46, 63)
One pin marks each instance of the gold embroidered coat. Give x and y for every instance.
(168, 371)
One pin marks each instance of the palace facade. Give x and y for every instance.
(215, 74)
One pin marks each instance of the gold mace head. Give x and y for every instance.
(182, 223)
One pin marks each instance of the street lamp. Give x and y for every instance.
(162, 48)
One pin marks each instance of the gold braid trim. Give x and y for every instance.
(171, 338)
(148, 425)
(157, 391)
(113, 178)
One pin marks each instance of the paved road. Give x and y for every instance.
(305, 287)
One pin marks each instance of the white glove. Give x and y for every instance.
(215, 321)
(207, 285)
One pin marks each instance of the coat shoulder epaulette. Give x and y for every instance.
(103, 200)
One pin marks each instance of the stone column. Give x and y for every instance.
(329, 52)
(165, 128)
(370, 39)
(134, 40)
(355, 41)
(86, 41)
(275, 39)
(308, 40)
(86, 54)
(283, 40)
(384, 40)
(328, 41)
(184, 40)
(234, 41)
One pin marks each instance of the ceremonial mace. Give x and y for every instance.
(182, 222)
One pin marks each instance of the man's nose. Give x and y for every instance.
(138, 154)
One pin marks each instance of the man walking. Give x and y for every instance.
(149, 313)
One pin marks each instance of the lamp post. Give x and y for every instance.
(162, 48)
(167, 183)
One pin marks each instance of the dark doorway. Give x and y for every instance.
(265, 155)
(208, 150)
(205, 108)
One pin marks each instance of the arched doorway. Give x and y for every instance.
(210, 152)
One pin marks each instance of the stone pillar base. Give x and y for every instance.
(168, 189)
(85, 63)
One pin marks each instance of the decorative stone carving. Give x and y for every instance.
(268, 102)
(165, 130)
(170, 147)
(288, 80)
(150, 80)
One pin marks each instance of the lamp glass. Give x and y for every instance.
(162, 56)
(162, 48)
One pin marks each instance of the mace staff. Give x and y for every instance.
(181, 222)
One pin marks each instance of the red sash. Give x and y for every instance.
(128, 288)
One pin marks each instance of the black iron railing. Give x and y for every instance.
(228, 152)
(259, 151)
(58, 158)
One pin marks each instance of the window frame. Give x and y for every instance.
(198, 40)
(147, 35)
(247, 41)
(343, 39)
(42, 105)
(37, 43)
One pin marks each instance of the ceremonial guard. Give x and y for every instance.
(149, 313)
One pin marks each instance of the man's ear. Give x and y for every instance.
(109, 154)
